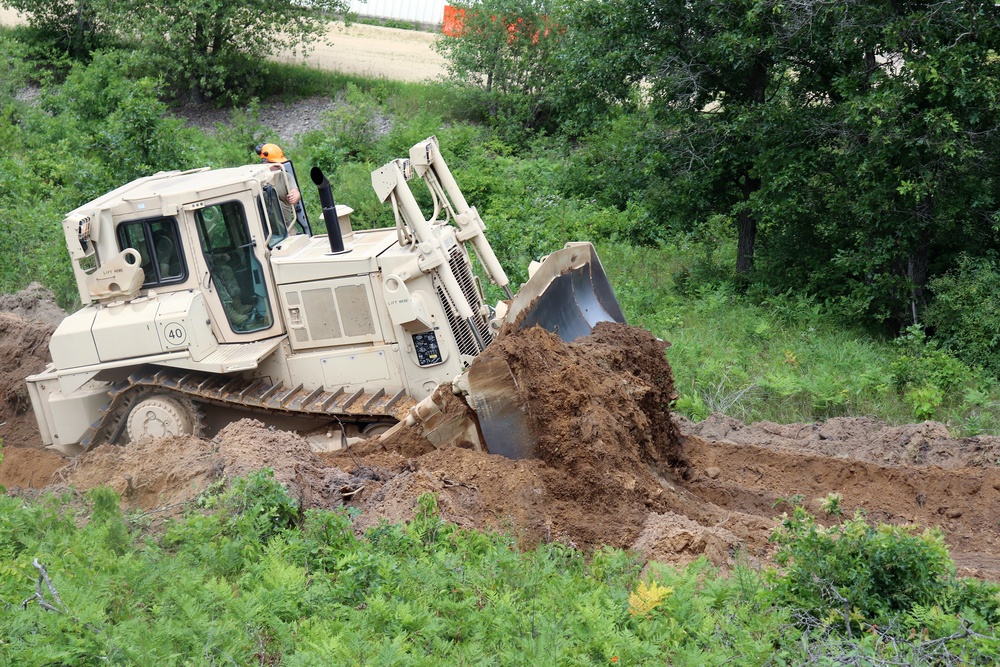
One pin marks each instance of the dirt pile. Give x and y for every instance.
(27, 320)
(927, 443)
(165, 474)
(592, 406)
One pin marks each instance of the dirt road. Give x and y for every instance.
(370, 51)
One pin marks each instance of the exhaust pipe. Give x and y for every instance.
(329, 210)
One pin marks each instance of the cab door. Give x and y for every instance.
(236, 274)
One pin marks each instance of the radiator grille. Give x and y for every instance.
(464, 335)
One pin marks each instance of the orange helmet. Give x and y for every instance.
(271, 153)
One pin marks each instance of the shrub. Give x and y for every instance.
(855, 571)
(965, 312)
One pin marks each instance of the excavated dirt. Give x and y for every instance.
(613, 466)
(27, 320)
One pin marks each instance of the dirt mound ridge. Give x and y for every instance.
(926, 443)
(24, 349)
(156, 474)
(34, 302)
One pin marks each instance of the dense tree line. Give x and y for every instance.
(851, 147)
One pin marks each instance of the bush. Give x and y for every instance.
(858, 572)
(965, 312)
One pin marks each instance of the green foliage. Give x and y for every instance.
(858, 572)
(71, 26)
(216, 49)
(964, 311)
(349, 132)
(926, 372)
(390, 23)
(504, 54)
(426, 593)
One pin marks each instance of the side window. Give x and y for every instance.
(273, 218)
(158, 241)
(236, 272)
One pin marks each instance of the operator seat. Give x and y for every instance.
(165, 256)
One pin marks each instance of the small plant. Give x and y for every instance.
(925, 401)
(831, 504)
(647, 597)
(693, 407)
(922, 362)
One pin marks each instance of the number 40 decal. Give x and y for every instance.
(175, 334)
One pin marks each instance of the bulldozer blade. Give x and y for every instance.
(503, 419)
(567, 295)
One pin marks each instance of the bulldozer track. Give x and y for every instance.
(256, 395)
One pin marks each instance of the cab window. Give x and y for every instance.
(273, 218)
(158, 242)
(236, 272)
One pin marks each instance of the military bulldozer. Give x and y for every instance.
(205, 300)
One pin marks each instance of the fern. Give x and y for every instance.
(647, 597)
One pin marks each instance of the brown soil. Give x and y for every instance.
(27, 320)
(613, 468)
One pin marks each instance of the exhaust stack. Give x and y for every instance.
(329, 210)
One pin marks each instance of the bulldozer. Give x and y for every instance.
(204, 301)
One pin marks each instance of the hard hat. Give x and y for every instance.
(271, 153)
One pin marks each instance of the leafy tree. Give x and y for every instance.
(218, 48)
(505, 48)
(73, 25)
(851, 145)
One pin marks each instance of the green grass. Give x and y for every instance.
(786, 360)
(253, 580)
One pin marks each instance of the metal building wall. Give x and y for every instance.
(423, 11)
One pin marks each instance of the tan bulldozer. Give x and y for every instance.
(207, 298)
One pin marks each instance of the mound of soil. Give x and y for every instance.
(167, 473)
(27, 320)
(927, 443)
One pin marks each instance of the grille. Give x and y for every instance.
(464, 336)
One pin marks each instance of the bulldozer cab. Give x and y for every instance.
(236, 272)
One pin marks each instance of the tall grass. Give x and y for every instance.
(783, 359)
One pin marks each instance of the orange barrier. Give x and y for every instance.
(453, 25)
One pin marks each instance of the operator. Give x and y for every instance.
(291, 203)
(236, 305)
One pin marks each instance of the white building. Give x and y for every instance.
(426, 12)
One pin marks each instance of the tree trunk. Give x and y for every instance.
(746, 227)
(746, 223)
(917, 274)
